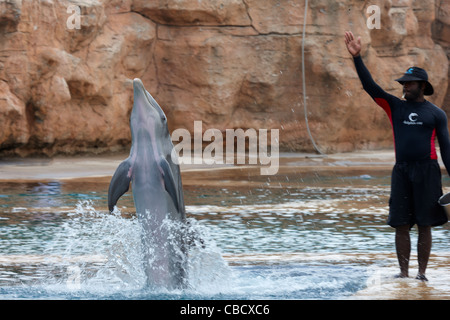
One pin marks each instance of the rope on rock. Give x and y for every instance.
(304, 80)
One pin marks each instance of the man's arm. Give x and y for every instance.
(443, 139)
(381, 97)
(369, 85)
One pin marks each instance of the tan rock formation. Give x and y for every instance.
(441, 35)
(66, 88)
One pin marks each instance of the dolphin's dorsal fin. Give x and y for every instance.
(120, 183)
(169, 182)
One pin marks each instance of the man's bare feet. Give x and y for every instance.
(421, 277)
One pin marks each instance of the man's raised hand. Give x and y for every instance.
(353, 46)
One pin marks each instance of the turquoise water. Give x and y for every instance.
(273, 239)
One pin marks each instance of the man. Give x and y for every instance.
(416, 176)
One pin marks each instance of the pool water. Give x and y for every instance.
(315, 236)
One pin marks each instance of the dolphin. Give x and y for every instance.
(157, 191)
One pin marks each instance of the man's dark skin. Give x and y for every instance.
(413, 91)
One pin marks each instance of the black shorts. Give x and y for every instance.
(415, 190)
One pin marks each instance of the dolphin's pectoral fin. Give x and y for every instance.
(120, 183)
(169, 182)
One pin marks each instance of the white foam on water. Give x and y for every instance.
(98, 255)
(117, 240)
(95, 254)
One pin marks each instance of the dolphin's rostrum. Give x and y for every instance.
(157, 191)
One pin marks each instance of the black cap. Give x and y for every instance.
(417, 74)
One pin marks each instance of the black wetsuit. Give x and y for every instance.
(416, 175)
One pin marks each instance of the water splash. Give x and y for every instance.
(102, 254)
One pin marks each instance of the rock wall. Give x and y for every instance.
(66, 89)
(441, 35)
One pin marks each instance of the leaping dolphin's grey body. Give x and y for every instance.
(157, 191)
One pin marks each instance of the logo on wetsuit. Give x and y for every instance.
(413, 119)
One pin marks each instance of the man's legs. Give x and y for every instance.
(416, 189)
(423, 250)
(403, 247)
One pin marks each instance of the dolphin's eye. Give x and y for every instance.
(163, 118)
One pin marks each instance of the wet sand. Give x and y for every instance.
(103, 167)
(381, 284)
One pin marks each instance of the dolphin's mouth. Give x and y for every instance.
(139, 89)
(138, 85)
